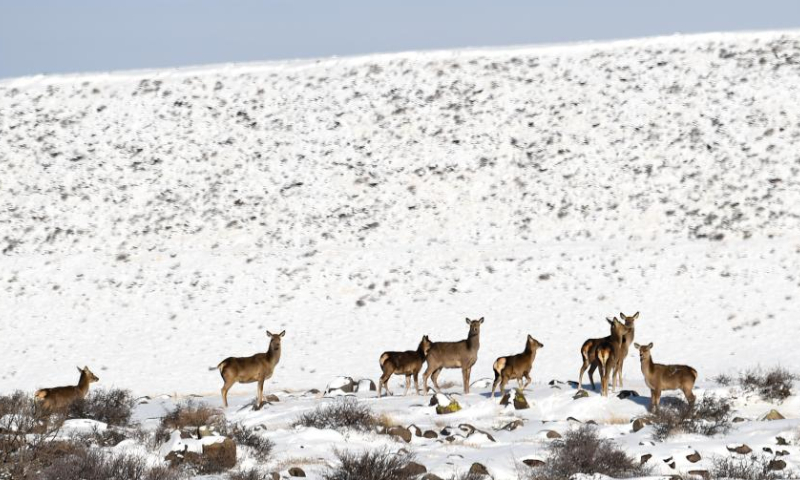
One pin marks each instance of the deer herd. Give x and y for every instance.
(606, 354)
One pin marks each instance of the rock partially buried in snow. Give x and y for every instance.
(776, 464)
(221, 453)
(444, 404)
(341, 385)
(704, 474)
(365, 385)
(741, 449)
(533, 462)
(694, 457)
(414, 468)
(519, 400)
(627, 394)
(580, 394)
(773, 415)
(401, 432)
(640, 423)
(512, 425)
(430, 476)
(644, 458)
(296, 472)
(430, 434)
(478, 469)
(552, 434)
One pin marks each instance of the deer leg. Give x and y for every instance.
(225, 388)
(425, 377)
(503, 383)
(656, 400)
(527, 380)
(465, 373)
(494, 384)
(620, 375)
(435, 379)
(603, 380)
(408, 385)
(384, 382)
(580, 375)
(416, 382)
(687, 392)
(592, 368)
(260, 394)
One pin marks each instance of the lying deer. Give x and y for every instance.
(256, 368)
(627, 341)
(59, 398)
(461, 355)
(406, 363)
(603, 353)
(660, 377)
(516, 366)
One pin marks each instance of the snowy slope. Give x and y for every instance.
(153, 223)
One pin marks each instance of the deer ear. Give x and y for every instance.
(282, 333)
(622, 315)
(79, 369)
(650, 345)
(481, 320)
(636, 345)
(269, 334)
(610, 322)
(635, 316)
(467, 320)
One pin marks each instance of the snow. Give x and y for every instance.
(154, 223)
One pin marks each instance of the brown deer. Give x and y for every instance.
(408, 363)
(627, 341)
(461, 355)
(516, 366)
(660, 377)
(59, 398)
(256, 368)
(604, 353)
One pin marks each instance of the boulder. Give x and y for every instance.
(741, 449)
(478, 469)
(221, 453)
(533, 462)
(781, 441)
(401, 432)
(444, 404)
(414, 468)
(340, 385)
(519, 400)
(553, 434)
(580, 394)
(773, 415)
(640, 423)
(429, 434)
(365, 385)
(694, 457)
(627, 394)
(271, 398)
(776, 464)
(704, 474)
(415, 430)
(296, 472)
(512, 425)
(644, 458)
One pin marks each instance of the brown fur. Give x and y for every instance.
(660, 377)
(256, 368)
(627, 341)
(408, 363)
(461, 355)
(59, 398)
(603, 353)
(516, 366)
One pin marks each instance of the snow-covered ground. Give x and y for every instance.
(154, 223)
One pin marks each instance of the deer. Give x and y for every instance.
(408, 363)
(59, 398)
(660, 377)
(516, 366)
(603, 352)
(256, 368)
(461, 355)
(627, 341)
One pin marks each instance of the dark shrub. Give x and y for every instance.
(94, 465)
(250, 474)
(113, 407)
(774, 385)
(583, 451)
(741, 467)
(186, 416)
(341, 414)
(723, 379)
(370, 465)
(709, 416)
(242, 435)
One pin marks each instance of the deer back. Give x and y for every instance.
(463, 353)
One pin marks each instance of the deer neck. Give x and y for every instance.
(473, 341)
(421, 352)
(83, 384)
(274, 354)
(647, 365)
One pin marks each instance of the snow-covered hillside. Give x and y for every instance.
(153, 223)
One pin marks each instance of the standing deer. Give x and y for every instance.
(516, 366)
(461, 355)
(256, 368)
(603, 352)
(58, 398)
(660, 377)
(627, 341)
(406, 363)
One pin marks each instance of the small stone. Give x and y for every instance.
(773, 415)
(740, 449)
(591, 422)
(738, 420)
(341, 385)
(572, 383)
(553, 434)
(781, 441)
(645, 458)
(221, 453)
(398, 431)
(533, 462)
(478, 469)
(275, 476)
(513, 425)
(640, 423)
(296, 472)
(776, 464)
(430, 434)
(694, 457)
(627, 394)
(414, 468)
(782, 453)
(271, 398)
(767, 449)
(580, 394)
(365, 385)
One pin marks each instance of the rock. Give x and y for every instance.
(572, 383)
(474, 433)
(627, 394)
(221, 453)
(776, 464)
(271, 398)
(741, 449)
(415, 430)
(445, 404)
(177, 458)
(738, 420)
(591, 422)
(533, 462)
(700, 473)
(478, 469)
(341, 385)
(767, 449)
(296, 472)
(573, 419)
(206, 431)
(311, 393)
(640, 423)
(553, 434)
(467, 428)
(773, 415)
(430, 434)
(513, 425)
(430, 476)
(365, 385)
(398, 431)
(644, 458)
(782, 453)
(519, 400)
(414, 468)
(555, 382)
(580, 394)
(694, 457)
(275, 476)
(781, 441)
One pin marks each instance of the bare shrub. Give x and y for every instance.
(341, 414)
(242, 435)
(709, 416)
(723, 379)
(249, 474)
(113, 407)
(370, 465)
(774, 385)
(92, 464)
(188, 415)
(751, 467)
(583, 451)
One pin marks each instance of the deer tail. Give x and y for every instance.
(384, 357)
(498, 366)
(41, 394)
(221, 365)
